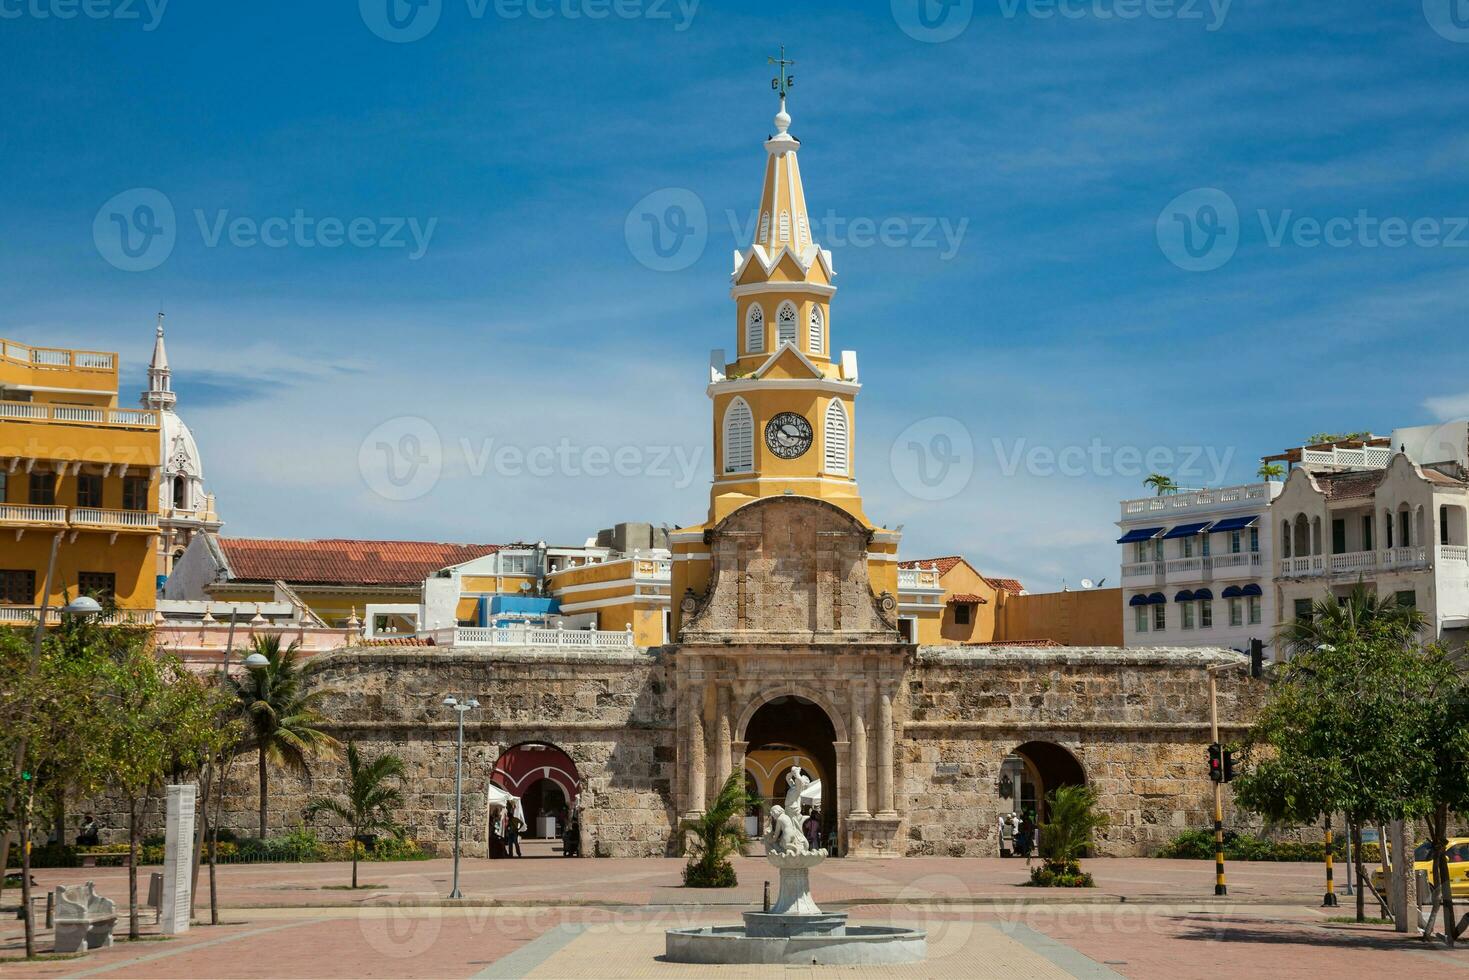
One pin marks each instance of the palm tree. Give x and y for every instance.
(1270, 471)
(1071, 819)
(1161, 484)
(1335, 621)
(281, 716)
(369, 804)
(717, 837)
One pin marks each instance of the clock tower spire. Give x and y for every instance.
(783, 398)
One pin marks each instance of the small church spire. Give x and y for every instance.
(782, 84)
(160, 393)
(783, 221)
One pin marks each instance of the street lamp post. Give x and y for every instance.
(460, 706)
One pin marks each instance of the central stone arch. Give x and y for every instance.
(791, 723)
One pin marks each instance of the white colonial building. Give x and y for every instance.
(1196, 568)
(185, 509)
(1391, 515)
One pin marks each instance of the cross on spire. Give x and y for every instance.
(782, 83)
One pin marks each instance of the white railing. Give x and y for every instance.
(28, 615)
(42, 412)
(1141, 569)
(31, 514)
(1370, 457)
(1352, 561)
(1357, 562)
(1192, 499)
(97, 517)
(1453, 552)
(914, 579)
(1195, 564)
(1235, 560)
(57, 356)
(524, 636)
(658, 569)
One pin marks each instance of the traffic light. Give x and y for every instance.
(1257, 658)
(1216, 762)
(1228, 764)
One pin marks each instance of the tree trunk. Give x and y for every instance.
(201, 834)
(132, 868)
(25, 877)
(263, 790)
(1358, 866)
(1404, 909)
(1441, 870)
(1386, 895)
(354, 864)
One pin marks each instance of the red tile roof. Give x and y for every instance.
(1351, 483)
(967, 597)
(339, 561)
(945, 565)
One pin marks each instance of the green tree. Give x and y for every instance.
(1361, 613)
(282, 718)
(1161, 484)
(1270, 471)
(715, 836)
(1072, 819)
(1323, 438)
(369, 803)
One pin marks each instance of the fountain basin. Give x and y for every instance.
(856, 946)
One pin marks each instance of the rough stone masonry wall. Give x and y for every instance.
(611, 711)
(1136, 720)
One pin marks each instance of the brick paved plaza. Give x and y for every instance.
(568, 918)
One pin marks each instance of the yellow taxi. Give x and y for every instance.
(1458, 857)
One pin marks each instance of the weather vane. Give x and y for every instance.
(783, 82)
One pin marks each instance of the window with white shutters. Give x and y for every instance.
(785, 324)
(836, 438)
(754, 329)
(739, 438)
(817, 336)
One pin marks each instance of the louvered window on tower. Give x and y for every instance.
(785, 226)
(755, 330)
(836, 438)
(815, 340)
(764, 236)
(805, 231)
(785, 323)
(739, 438)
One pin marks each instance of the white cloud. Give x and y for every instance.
(1447, 407)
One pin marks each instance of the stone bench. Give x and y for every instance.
(84, 919)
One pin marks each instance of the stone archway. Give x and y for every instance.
(786, 730)
(544, 778)
(1034, 769)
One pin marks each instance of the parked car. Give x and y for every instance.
(1458, 857)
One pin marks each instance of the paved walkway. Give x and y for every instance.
(1147, 920)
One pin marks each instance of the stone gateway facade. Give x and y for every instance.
(916, 740)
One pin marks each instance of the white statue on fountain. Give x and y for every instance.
(797, 782)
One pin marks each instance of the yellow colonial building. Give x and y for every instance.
(784, 406)
(78, 477)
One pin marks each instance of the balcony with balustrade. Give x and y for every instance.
(23, 517)
(84, 372)
(1185, 503)
(532, 637)
(1351, 564)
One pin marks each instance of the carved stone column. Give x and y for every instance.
(859, 751)
(697, 748)
(722, 738)
(884, 753)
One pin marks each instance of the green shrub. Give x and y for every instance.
(1066, 874)
(47, 856)
(1198, 845)
(717, 875)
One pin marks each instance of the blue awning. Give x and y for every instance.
(1251, 589)
(1186, 530)
(1234, 524)
(523, 605)
(1186, 595)
(1147, 600)
(1204, 595)
(1140, 534)
(1233, 592)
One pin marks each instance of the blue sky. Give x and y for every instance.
(1052, 143)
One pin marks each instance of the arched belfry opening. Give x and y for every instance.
(789, 731)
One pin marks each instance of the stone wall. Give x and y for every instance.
(1137, 721)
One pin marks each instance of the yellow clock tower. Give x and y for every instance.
(784, 405)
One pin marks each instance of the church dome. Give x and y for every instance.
(180, 451)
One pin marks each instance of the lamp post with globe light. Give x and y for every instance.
(459, 706)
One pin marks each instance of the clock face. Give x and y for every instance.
(788, 435)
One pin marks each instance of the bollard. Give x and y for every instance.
(1329, 900)
(50, 910)
(766, 907)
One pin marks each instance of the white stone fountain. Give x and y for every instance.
(795, 930)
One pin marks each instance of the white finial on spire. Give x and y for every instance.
(160, 394)
(782, 84)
